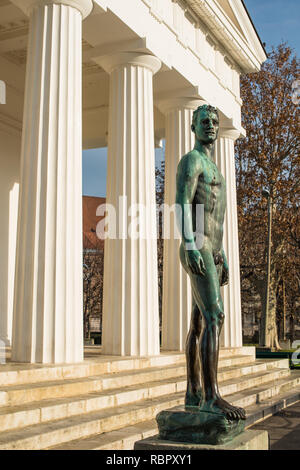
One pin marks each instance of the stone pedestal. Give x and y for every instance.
(248, 440)
(192, 425)
(48, 311)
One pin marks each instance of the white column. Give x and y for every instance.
(2, 92)
(232, 329)
(130, 303)
(177, 297)
(48, 323)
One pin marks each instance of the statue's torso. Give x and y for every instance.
(211, 192)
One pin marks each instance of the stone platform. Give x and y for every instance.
(109, 403)
(248, 440)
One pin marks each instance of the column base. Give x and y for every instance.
(5, 341)
(247, 440)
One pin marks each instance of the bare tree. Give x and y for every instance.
(268, 158)
(160, 191)
(93, 262)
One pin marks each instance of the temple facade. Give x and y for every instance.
(80, 74)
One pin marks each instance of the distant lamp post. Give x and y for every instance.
(284, 310)
(265, 323)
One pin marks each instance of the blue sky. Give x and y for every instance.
(275, 21)
(94, 166)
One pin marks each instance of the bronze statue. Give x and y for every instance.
(200, 182)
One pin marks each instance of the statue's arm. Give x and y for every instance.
(186, 185)
(188, 172)
(225, 271)
(225, 262)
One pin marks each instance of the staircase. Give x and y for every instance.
(111, 402)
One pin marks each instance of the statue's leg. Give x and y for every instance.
(193, 395)
(206, 291)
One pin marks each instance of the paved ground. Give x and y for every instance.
(283, 429)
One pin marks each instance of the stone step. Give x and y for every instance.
(261, 411)
(76, 408)
(97, 364)
(121, 439)
(266, 392)
(15, 396)
(95, 350)
(18, 374)
(230, 387)
(281, 394)
(45, 435)
(258, 366)
(26, 393)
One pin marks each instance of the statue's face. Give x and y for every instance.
(206, 127)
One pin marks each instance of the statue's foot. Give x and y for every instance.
(193, 398)
(220, 406)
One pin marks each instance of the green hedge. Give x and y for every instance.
(279, 355)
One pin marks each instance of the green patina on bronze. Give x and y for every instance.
(194, 426)
(200, 182)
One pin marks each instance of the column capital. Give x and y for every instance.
(229, 133)
(83, 6)
(170, 104)
(121, 59)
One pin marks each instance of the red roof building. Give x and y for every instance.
(90, 221)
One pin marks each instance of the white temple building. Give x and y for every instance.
(82, 74)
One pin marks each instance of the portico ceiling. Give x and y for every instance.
(109, 29)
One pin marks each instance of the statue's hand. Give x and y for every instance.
(195, 262)
(225, 275)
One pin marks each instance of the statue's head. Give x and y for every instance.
(205, 123)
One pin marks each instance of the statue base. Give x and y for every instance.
(192, 425)
(247, 440)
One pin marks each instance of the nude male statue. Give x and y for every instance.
(200, 182)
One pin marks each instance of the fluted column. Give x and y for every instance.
(232, 329)
(48, 323)
(2, 92)
(177, 297)
(130, 303)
